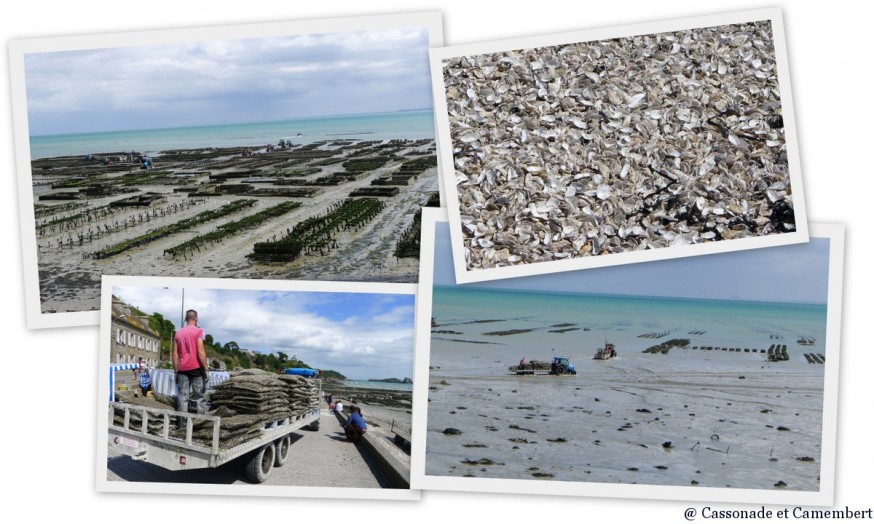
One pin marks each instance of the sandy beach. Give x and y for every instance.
(79, 215)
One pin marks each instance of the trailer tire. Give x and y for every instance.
(261, 464)
(283, 447)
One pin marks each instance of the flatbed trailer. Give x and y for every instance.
(529, 370)
(268, 449)
(558, 366)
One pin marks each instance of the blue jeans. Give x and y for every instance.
(190, 385)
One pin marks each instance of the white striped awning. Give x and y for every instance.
(112, 369)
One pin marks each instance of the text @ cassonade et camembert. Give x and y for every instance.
(797, 512)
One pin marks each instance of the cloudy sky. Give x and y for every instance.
(796, 273)
(229, 81)
(362, 335)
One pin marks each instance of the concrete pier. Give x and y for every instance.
(320, 458)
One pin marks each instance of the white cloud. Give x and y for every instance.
(195, 82)
(375, 339)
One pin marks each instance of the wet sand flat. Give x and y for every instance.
(707, 409)
(630, 420)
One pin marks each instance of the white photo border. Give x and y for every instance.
(104, 485)
(823, 497)
(36, 319)
(441, 115)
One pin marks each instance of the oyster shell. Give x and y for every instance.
(618, 145)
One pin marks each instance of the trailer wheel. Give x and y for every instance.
(283, 447)
(261, 464)
(560, 369)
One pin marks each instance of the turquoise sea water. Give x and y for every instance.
(412, 125)
(471, 313)
(379, 385)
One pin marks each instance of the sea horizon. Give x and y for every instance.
(245, 122)
(412, 124)
(628, 296)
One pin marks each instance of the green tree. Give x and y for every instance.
(165, 329)
(330, 373)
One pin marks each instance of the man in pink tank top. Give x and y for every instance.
(189, 362)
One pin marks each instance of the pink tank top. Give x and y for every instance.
(186, 346)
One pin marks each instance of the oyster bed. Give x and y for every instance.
(618, 145)
(200, 212)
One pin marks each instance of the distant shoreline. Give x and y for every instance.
(391, 380)
(371, 385)
(378, 126)
(219, 124)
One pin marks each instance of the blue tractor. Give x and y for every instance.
(562, 366)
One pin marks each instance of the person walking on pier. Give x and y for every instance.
(189, 363)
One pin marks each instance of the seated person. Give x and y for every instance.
(145, 377)
(355, 425)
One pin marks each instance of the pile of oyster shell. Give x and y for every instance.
(618, 145)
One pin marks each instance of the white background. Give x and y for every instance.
(49, 377)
